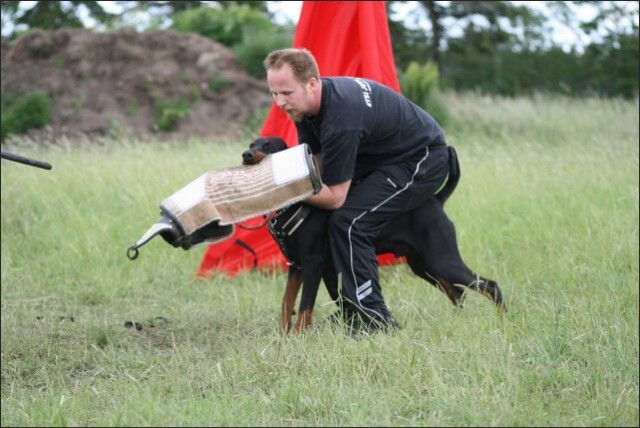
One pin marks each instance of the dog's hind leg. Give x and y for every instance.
(488, 288)
(456, 278)
(443, 261)
(455, 294)
(294, 280)
(461, 278)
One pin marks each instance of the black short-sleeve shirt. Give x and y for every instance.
(363, 125)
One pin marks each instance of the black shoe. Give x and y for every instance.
(355, 324)
(393, 323)
(336, 318)
(373, 325)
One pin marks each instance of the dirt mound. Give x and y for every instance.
(162, 83)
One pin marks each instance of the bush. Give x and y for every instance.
(418, 80)
(169, 112)
(419, 83)
(246, 31)
(32, 111)
(256, 45)
(224, 25)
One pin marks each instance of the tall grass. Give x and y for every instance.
(547, 205)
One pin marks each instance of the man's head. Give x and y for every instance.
(294, 81)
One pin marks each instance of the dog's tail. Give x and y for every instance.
(452, 178)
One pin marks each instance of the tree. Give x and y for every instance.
(504, 48)
(488, 25)
(52, 15)
(162, 12)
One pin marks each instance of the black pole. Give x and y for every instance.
(25, 160)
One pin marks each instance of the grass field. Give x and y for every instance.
(547, 205)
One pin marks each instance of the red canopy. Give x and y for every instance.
(348, 39)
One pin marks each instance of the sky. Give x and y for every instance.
(561, 34)
(289, 10)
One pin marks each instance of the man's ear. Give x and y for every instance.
(313, 82)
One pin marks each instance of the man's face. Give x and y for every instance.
(288, 93)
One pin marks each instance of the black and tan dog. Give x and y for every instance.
(426, 237)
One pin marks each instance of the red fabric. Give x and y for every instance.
(347, 39)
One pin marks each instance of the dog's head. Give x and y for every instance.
(261, 147)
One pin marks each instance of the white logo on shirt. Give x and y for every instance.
(366, 91)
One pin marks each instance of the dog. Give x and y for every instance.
(425, 236)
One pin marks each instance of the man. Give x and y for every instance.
(379, 155)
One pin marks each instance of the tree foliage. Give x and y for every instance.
(34, 110)
(502, 48)
(224, 25)
(53, 15)
(246, 30)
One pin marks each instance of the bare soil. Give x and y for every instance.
(112, 83)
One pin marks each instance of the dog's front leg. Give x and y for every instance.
(294, 280)
(313, 268)
(304, 320)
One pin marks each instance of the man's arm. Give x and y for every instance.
(330, 197)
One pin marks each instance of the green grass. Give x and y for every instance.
(547, 205)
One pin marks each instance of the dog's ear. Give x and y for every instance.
(258, 141)
(277, 143)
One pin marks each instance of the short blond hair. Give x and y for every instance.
(302, 63)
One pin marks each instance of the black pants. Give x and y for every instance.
(370, 204)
